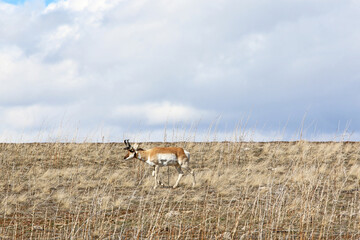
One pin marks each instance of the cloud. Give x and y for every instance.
(27, 117)
(184, 60)
(27, 80)
(161, 113)
(82, 5)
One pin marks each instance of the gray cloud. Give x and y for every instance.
(97, 62)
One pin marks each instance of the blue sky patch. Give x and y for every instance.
(17, 2)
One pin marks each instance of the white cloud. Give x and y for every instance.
(26, 78)
(27, 117)
(182, 59)
(161, 113)
(82, 5)
(54, 40)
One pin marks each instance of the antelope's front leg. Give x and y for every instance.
(153, 172)
(181, 173)
(156, 175)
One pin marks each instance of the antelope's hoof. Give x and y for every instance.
(161, 184)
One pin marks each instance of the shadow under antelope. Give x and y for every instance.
(160, 157)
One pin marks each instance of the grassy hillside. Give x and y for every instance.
(244, 190)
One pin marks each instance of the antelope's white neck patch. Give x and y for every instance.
(131, 156)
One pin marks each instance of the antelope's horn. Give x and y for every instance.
(127, 144)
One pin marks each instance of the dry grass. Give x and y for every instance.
(276, 190)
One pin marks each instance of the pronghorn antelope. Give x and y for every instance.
(159, 157)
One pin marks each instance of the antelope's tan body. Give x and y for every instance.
(163, 156)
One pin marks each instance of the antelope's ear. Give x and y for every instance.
(136, 146)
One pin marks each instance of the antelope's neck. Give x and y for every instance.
(141, 155)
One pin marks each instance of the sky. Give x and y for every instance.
(149, 70)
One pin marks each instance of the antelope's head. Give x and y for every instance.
(132, 151)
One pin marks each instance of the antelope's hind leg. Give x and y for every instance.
(191, 171)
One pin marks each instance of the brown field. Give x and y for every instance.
(277, 190)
